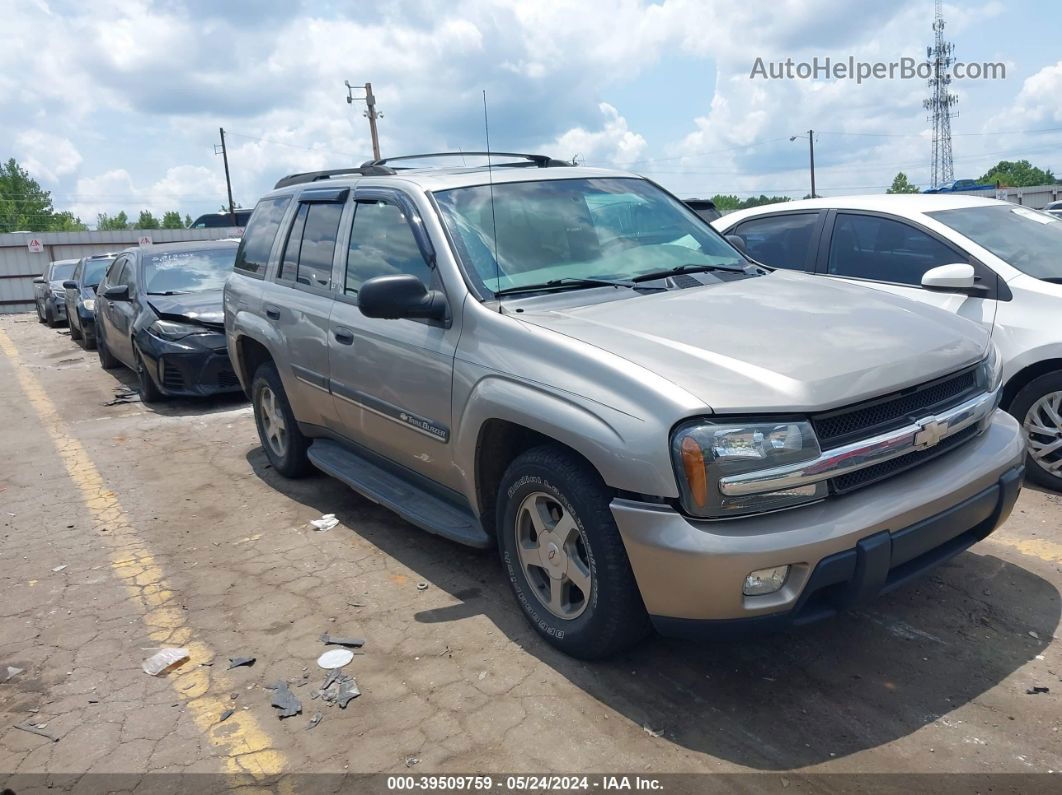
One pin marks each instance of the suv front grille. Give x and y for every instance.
(864, 420)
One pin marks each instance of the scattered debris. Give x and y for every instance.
(226, 715)
(411, 760)
(335, 658)
(1035, 689)
(1033, 634)
(26, 727)
(422, 586)
(326, 522)
(163, 660)
(59, 568)
(236, 662)
(124, 395)
(12, 672)
(314, 720)
(348, 690)
(338, 688)
(332, 640)
(285, 701)
(652, 732)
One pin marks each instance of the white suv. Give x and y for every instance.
(991, 261)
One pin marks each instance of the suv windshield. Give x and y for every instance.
(188, 271)
(60, 273)
(94, 270)
(1029, 240)
(598, 228)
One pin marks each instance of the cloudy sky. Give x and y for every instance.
(117, 105)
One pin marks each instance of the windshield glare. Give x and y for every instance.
(60, 273)
(610, 228)
(94, 271)
(1029, 240)
(188, 271)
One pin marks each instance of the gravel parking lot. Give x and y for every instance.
(125, 528)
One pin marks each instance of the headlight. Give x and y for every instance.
(59, 293)
(705, 452)
(990, 371)
(168, 330)
(89, 304)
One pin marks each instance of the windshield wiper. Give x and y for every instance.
(169, 292)
(688, 268)
(571, 282)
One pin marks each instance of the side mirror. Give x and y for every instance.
(738, 242)
(117, 292)
(69, 285)
(39, 280)
(957, 278)
(400, 296)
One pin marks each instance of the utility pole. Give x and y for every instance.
(811, 155)
(228, 182)
(370, 113)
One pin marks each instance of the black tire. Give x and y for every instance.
(1020, 407)
(40, 315)
(149, 390)
(86, 341)
(49, 317)
(613, 616)
(75, 329)
(107, 359)
(288, 458)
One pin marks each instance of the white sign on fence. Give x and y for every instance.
(145, 240)
(35, 245)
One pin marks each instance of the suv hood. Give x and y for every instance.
(783, 342)
(204, 308)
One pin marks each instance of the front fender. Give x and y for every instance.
(251, 326)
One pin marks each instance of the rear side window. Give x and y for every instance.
(781, 241)
(253, 255)
(884, 250)
(311, 244)
(382, 243)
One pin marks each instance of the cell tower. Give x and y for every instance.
(940, 101)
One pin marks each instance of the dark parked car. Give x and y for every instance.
(48, 294)
(158, 312)
(220, 220)
(80, 292)
(705, 208)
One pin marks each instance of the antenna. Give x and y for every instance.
(490, 181)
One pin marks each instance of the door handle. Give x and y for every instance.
(272, 312)
(344, 336)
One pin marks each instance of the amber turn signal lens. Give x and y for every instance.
(693, 466)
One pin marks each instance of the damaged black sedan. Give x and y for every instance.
(159, 312)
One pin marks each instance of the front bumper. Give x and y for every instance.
(190, 369)
(58, 307)
(841, 551)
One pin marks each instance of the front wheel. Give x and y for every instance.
(1038, 407)
(149, 390)
(107, 359)
(75, 329)
(283, 442)
(564, 557)
(49, 317)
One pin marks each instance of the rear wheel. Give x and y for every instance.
(107, 360)
(149, 390)
(283, 442)
(564, 557)
(1038, 407)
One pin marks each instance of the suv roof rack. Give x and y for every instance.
(541, 161)
(367, 170)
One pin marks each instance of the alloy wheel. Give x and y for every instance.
(553, 555)
(273, 423)
(1043, 430)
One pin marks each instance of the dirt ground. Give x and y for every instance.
(125, 528)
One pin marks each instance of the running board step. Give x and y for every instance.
(411, 503)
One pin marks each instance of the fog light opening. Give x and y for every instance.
(765, 581)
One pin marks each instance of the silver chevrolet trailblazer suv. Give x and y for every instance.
(568, 364)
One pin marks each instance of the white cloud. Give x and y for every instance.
(46, 155)
(614, 143)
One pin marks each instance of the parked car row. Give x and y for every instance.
(654, 428)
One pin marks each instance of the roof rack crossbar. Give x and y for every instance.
(542, 161)
(367, 170)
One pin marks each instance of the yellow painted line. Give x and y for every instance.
(243, 744)
(1049, 551)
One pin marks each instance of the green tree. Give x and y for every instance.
(729, 202)
(187, 221)
(900, 184)
(117, 222)
(146, 220)
(172, 220)
(25, 205)
(1018, 174)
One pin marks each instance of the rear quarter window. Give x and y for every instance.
(253, 254)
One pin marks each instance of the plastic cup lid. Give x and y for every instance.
(335, 658)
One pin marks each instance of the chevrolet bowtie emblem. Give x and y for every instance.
(929, 434)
